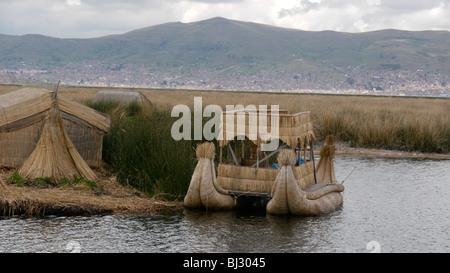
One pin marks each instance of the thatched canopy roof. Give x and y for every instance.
(293, 128)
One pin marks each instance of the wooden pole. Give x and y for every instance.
(257, 158)
(268, 156)
(232, 153)
(305, 146)
(311, 147)
(243, 149)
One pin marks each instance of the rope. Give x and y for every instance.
(348, 176)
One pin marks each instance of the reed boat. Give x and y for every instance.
(287, 176)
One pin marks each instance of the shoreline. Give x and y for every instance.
(343, 149)
(112, 198)
(117, 199)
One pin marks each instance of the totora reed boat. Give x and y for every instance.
(288, 177)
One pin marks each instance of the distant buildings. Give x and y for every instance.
(339, 80)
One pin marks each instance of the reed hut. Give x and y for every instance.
(293, 185)
(39, 129)
(123, 97)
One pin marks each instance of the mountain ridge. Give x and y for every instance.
(219, 42)
(230, 54)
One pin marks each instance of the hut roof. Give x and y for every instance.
(35, 117)
(293, 128)
(22, 104)
(18, 107)
(125, 97)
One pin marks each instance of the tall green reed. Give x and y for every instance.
(142, 153)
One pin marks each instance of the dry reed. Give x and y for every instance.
(113, 198)
(404, 123)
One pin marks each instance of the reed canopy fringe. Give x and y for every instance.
(293, 129)
(47, 136)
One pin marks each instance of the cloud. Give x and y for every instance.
(93, 18)
(357, 15)
(304, 7)
(73, 2)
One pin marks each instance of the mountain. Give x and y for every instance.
(218, 43)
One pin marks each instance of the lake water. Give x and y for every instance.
(394, 205)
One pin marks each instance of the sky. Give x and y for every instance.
(95, 18)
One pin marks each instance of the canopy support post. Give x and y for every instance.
(268, 156)
(311, 148)
(234, 156)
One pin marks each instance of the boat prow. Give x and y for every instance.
(204, 192)
(289, 198)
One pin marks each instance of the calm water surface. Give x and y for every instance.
(401, 204)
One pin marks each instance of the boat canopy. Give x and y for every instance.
(261, 127)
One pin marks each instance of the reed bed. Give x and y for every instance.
(142, 153)
(400, 123)
(140, 149)
(404, 123)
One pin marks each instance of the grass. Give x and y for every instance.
(140, 150)
(419, 125)
(46, 182)
(142, 153)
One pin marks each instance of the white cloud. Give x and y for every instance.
(73, 2)
(91, 18)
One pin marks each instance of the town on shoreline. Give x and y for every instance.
(351, 80)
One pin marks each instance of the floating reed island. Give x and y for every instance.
(51, 160)
(293, 185)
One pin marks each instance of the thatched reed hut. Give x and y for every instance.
(34, 118)
(123, 97)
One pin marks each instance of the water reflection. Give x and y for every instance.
(401, 204)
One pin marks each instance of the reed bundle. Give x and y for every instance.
(245, 178)
(55, 155)
(289, 198)
(204, 191)
(325, 167)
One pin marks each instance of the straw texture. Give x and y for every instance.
(54, 155)
(22, 104)
(289, 198)
(16, 146)
(325, 166)
(293, 128)
(86, 114)
(246, 178)
(23, 114)
(204, 191)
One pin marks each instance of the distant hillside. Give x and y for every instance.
(219, 43)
